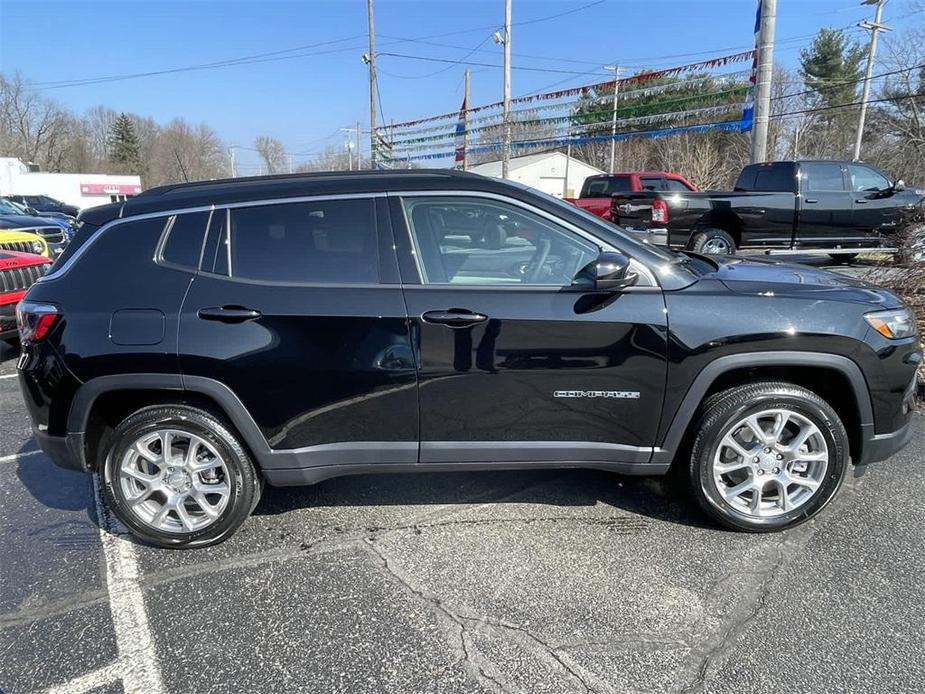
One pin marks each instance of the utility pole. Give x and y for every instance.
(231, 155)
(763, 88)
(290, 163)
(875, 28)
(613, 120)
(506, 144)
(358, 145)
(465, 163)
(373, 90)
(568, 154)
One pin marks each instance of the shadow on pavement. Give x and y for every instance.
(653, 497)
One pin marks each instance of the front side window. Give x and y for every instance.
(866, 180)
(470, 241)
(651, 183)
(822, 177)
(606, 187)
(675, 185)
(322, 242)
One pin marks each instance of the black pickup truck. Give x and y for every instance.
(832, 207)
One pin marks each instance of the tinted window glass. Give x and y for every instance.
(822, 176)
(866, 180)
(605, 187)
(746, 180)
(183, 244)
(479, 242)
(651, 183)
(774, 178)
(676, 186)
(329, 242)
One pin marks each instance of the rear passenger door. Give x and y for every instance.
(299, 312)
(825, 212)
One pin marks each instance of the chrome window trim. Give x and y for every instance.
(600, 243)
(61, 271)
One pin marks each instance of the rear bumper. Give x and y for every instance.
(655, 236)
(61, 450)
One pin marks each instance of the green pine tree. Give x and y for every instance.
(831, 67)
(124, 150)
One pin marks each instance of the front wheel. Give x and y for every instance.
(177, 477)
(767, 456)
(712, 242)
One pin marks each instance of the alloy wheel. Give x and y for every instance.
(716, 246)
(174, 481)
(770, 463)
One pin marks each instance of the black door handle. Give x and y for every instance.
(229, 314)
(810, 201)
(454, 317)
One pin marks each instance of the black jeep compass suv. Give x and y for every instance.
(201, 339)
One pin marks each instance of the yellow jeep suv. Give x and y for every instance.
(24, 242)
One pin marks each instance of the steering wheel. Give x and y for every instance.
(535, 268)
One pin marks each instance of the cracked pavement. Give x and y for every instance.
(546, 581)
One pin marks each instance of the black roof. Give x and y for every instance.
(230, 190)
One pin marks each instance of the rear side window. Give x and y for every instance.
(605, 187)
(185, 236)
(822, 177)
(774, 178)
(84, 232)
(323, 242)
(653, 183)
(676, 186)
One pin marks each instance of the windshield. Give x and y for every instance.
(7, 207)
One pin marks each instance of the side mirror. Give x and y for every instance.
(899, 186)
(610, 271)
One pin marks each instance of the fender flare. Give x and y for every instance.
(685, 413)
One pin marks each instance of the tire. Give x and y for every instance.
(771, 466)
(843, 258)
(219, 474)
(712, 242)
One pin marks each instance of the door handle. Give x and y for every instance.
(861, 201)
(229, 314)
(810, 201)
(454, 317)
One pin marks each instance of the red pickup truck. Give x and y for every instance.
(18, 272)
(597, 190)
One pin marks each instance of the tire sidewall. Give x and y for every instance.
(836, 441)
(703, 237)
(239, 502)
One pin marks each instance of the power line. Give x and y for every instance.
(492, 65)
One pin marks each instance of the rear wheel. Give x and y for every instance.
(712, 242)
(767, 456)
(177, 477)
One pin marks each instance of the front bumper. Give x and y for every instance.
(8, 327)
(878, 447)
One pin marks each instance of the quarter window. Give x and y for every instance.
(469, 241)
(323, 242)
(183, 245)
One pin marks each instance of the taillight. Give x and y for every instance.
(35, 320)
(660, 211)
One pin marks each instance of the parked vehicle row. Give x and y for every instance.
(597, 191)
(18, 272)
(831, 206)
(290, 329)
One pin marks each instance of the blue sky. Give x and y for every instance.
(304, 101)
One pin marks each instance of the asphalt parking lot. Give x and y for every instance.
(552, 581)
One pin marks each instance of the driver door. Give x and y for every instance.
(514, 364)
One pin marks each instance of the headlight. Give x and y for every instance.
(37, 247)
(893, 325)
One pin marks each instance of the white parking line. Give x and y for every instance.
(90, 681)
(7, 376)
(15, 456)
(137, 665)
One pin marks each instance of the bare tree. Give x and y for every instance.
(272, 152)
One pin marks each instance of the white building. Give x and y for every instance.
(545, 172)
(82, 190)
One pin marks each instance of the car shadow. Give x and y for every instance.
(652, 497)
